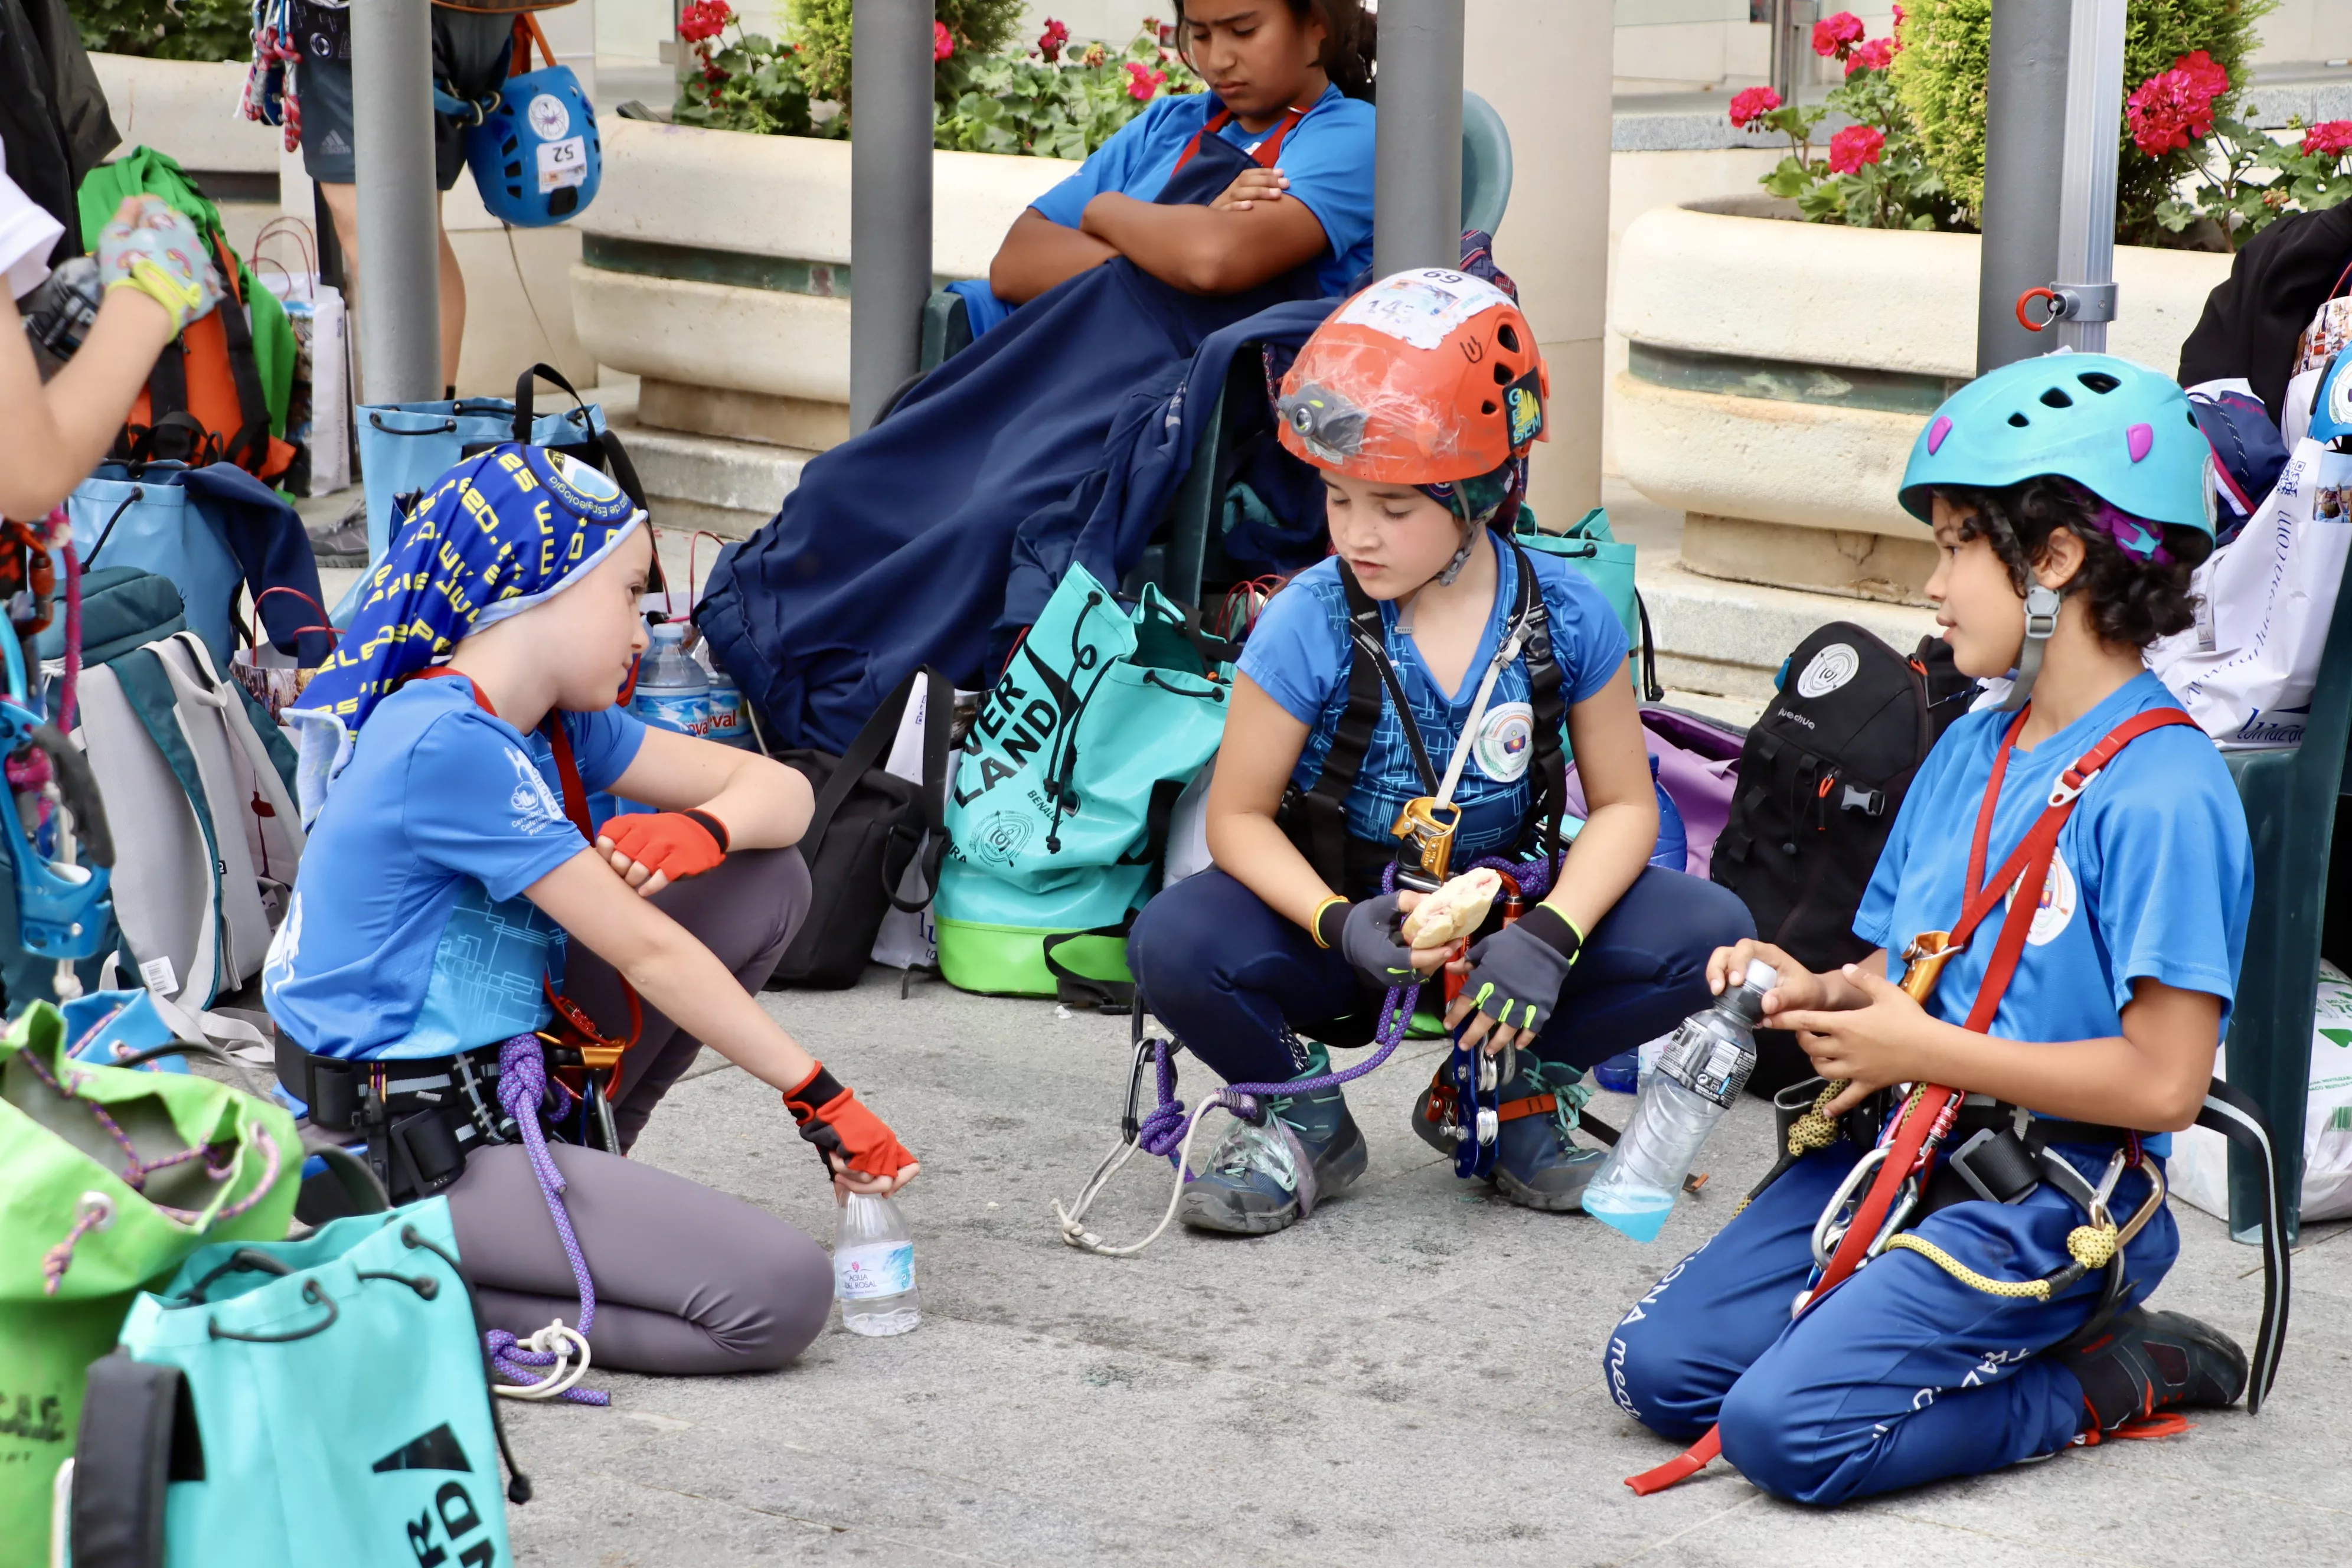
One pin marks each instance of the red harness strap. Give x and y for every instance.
(575, 809)
(1927, 1114)
(1265, 152)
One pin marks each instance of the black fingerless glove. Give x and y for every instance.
(1371, 943)
(1516, 975)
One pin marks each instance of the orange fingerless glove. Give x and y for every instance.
(678, 844)
(832, 1119)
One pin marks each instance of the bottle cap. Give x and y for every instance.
(1761, 976)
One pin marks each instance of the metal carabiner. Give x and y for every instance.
(1831, 1229)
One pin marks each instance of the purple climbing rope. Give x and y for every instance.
(1161, 1130)
(523, 1085)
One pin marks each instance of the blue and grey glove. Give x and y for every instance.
(1516, 975)
(1369, 940)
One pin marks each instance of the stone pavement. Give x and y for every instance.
(1412, 1376)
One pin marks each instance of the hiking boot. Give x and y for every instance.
(1536, 1164)
(2147, 1362)
(1266, 1178)
(344, 541)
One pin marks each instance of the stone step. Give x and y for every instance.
(709, 481)
(1729, 639)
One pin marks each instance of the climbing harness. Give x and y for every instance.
(63, 909)
(1867, 1214)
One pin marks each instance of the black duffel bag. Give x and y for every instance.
(869, 826)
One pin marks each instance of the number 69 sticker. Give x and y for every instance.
(563, 163)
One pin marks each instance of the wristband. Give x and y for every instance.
(710, 824)
(1554, 930)
(1324, 924)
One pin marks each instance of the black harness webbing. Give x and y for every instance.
(1317, 817)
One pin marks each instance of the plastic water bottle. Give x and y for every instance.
(728, 726)
(672, 693)
(1701, 1071)
(874, 1268)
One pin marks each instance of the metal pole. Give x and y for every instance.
(2087, 206)
(1417, 184)
(890, 199)
(1791, 22)
(2025, 117)
(399, 231)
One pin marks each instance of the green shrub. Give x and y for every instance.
(821, 30)
(1940, 76)
(166, 29)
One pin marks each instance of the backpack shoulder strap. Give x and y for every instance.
(1533, 618)
(1325, 805)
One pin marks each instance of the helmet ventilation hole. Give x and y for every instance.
(1508, 337)
(2019, 420)
(2099, 381)
(2054, 398)
(1502, 375)
(1487, 407)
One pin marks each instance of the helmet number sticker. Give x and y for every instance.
(563, 163)
(1422, 307)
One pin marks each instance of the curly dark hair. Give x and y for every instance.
(2131, 602)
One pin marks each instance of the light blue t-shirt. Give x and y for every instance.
(1327, 156)
(1299, 654)
(2154, 874)
(408, 935)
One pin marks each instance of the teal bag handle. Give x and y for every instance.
(1593, 550)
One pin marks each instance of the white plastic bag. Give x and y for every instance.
(2199, 1170)
(1188, 829)
(911, 940)
(2246, 670)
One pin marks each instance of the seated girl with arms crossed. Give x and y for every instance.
(1419, 401)
(1288, 125)
(2069, 498)
(449, 888)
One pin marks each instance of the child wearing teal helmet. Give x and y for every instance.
(1911, 1296)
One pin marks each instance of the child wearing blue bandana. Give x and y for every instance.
(451, 906)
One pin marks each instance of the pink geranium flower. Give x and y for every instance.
(1050, 41)
(1142, 81)
(1855, 146)
(2170, 111)
(1874, 56)
(1837, 35)
(942, 41)
(2328, 139)
(1752, 104)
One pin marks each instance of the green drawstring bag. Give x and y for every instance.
(1590, 547)
(299, 1405)
(109, 1178)
(1058, 807)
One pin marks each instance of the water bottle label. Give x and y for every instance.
(1707, 1064)
(688, 713)
(880, 1269)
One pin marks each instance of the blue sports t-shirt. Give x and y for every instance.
(2154, 874)
(1299, 654)
(1328, 158)
(408, 935)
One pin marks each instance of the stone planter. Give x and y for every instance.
(715, 265)
(1776, 373)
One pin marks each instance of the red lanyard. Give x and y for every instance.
(1265, 152)
(558, 740)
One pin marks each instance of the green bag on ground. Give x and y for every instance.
(86, 1221)
(1057, 811)
(1591, 549)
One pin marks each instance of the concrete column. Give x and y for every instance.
(1417, 197)
(1546, 70)
(2025, 120)
(890, 199)
(399, 244)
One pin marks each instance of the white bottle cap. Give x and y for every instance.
(1761, 976)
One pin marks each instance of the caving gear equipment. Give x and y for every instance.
(532, 144)
(1266, 1175)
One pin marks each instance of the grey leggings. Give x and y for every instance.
(687, 1279)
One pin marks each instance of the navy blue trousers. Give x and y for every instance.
(1901, 1375)
(1233, 980)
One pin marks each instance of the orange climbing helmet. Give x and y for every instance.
(1430, 376)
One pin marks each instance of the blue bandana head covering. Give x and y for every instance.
(500, 533)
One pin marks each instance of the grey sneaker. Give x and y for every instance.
(1266, 1178)
(344, 541)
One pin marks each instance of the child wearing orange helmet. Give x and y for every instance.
(1427, 643)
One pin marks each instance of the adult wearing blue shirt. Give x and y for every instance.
(1289, 84)
(455, 907)
(1418, 401)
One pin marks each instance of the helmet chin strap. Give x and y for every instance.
(2040, 622)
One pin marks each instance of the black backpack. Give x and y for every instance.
(1821, 777)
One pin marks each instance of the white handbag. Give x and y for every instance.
(2246, 670)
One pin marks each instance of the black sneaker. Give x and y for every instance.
(344, 541)
(2151, 1361)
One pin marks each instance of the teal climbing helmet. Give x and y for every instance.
(2121, 431)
